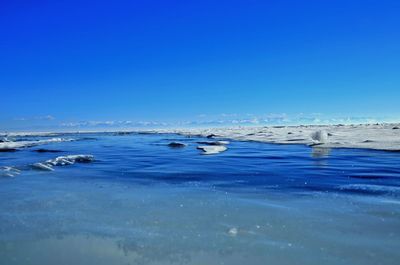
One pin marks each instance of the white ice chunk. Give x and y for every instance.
(69, 160)
(233, 231)
(212, 149)
(63, 161)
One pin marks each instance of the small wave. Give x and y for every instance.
(9, 172)
(371, 189)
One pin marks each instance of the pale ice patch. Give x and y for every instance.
(212, 149)
(233, 231)
(22, 144)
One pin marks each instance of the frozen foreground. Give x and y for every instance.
(155, 199)
(371, 136)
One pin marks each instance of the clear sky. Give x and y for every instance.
(69, 63)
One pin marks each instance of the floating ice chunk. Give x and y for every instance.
(212, 149)
(233, 231)
(319, 136)
(70, 159)
(63, 161)
(350, 136)
(370, 188)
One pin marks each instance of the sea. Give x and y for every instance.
(142, 202)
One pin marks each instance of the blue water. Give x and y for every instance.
(142, 202)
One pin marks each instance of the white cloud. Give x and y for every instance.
(112, 123)
(42, 118)
(47, 117)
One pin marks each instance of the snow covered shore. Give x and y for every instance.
(372, 136)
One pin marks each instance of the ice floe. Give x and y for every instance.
(212, 149)
(70, 159)
(22, 144)
(63, 161)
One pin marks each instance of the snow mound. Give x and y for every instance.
(320, 136)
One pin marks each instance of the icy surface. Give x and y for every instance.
(371, 136)
(144, 203)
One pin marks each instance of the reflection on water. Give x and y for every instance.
(320, 152)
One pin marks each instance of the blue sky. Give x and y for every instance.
(139, 63)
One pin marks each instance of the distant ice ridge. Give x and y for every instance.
(63, 161)
(21, 144)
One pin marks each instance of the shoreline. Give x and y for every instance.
(384, 136)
